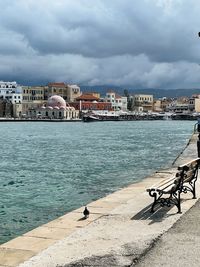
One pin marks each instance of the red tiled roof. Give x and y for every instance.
(56, 84)
(91, 93)
(117, 96)
(87, 97)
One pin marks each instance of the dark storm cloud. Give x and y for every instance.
(144, 43)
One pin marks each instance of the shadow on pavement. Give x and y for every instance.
(158, 216)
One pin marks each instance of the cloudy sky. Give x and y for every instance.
(137, 43)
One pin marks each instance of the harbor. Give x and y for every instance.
(121, 210)
(120, 229)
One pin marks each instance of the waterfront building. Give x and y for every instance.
(162, 104)
(143, 103)
(67, 91)
(32, 97)
(118, 102)
(87, 97)
(58, 88)
(157, 105)
(55, 108)
(178, 107)
(12, 92)
(89, 102)
(73, 91)
(6, 108)
(194, 103)
(33, 93)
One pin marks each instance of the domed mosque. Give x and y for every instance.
(56, 108)
(57, 102)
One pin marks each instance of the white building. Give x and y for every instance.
(118, 102)
(13, 93)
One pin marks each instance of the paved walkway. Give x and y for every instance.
(179, 246)
(119, 230)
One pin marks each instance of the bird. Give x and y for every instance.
(199, 34)
(86, 213)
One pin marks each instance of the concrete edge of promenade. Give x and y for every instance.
(119, 230)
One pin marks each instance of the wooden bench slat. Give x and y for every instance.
(162, 183)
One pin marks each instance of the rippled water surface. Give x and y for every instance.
(47, 169)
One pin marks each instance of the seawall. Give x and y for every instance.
(118, 231)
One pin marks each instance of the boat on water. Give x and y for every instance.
(90, 118)
(101, 116)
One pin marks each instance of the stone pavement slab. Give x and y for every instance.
(34, 244)
(49, 232)
(13, 257)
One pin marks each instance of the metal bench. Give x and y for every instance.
(168, 193)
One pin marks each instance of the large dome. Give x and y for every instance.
(56, 101)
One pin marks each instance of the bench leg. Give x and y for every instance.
(194, 190)
(179, 208)
(190, 188)
(178, 198)
(154, 195)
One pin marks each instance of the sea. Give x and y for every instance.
(50, 168)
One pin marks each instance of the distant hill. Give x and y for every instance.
(157, 93)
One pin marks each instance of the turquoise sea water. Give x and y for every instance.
(47, 169)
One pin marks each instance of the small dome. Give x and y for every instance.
(56, 107)
(43, 107)
(49, 107)
(62, 107)
(56, 101)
